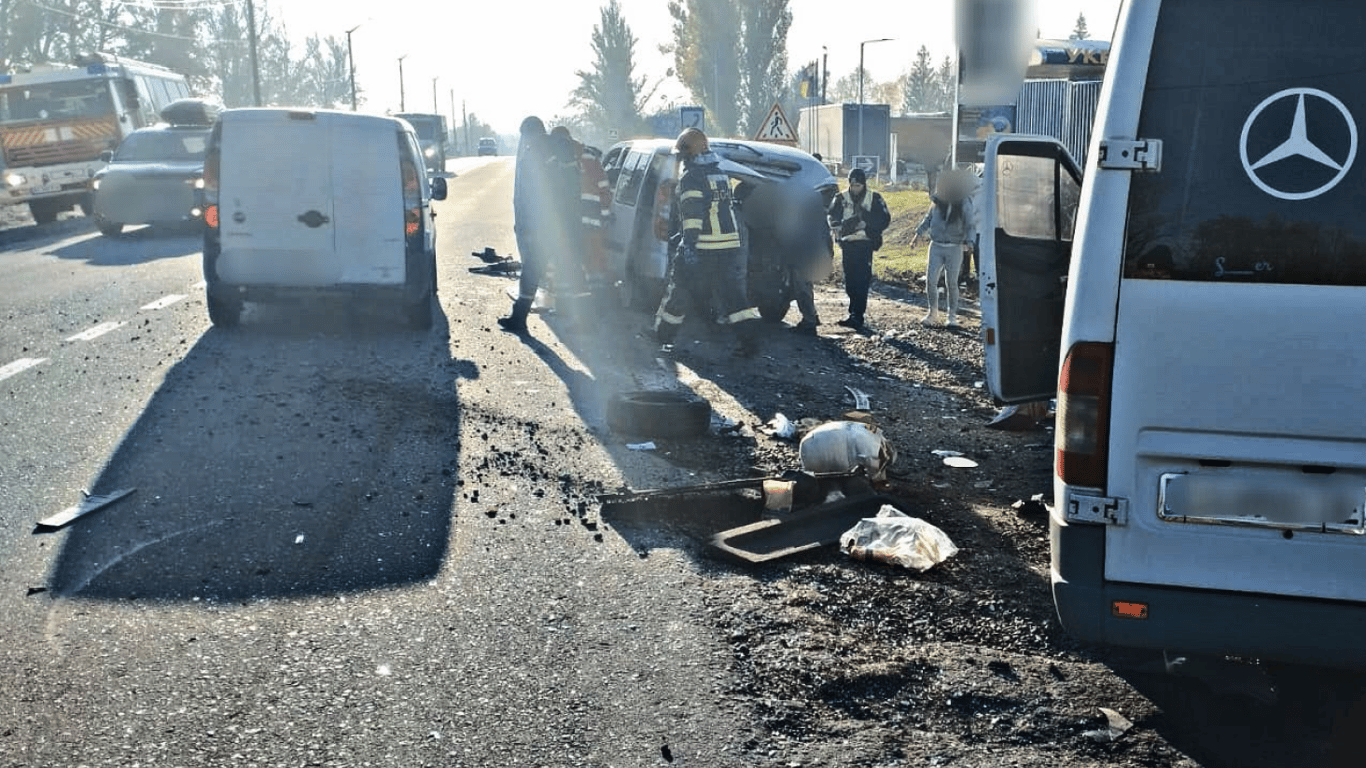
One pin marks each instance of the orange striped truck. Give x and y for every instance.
(56, 121)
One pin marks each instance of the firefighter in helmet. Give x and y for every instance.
(705, 260)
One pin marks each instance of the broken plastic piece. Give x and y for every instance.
(90, 504)
(860, 399)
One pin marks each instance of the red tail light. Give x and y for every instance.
(1083, 436)
(412, 194)
(211, 216)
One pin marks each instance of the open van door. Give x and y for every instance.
(1028, 206)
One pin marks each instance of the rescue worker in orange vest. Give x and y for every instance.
(706, 260)
(595, 198)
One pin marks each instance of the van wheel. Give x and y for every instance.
(223, 311)
(659, 414)
(419, 314)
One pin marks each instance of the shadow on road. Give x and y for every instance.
(298, 454)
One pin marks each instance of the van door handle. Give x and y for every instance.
(313, 219)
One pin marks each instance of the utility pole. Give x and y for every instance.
(401, 106)
(351, 63)
(466, 119)
(435, 109)
(255, 66)
(860, 88)
(453, 136)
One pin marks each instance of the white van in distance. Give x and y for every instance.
(303, 204)
(1195, 308)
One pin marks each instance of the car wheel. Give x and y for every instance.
(43, 211)
(659, 414)
(109, 228)
(224, 311)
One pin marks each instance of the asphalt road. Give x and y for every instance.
(348, 543)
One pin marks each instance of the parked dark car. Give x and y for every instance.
(156, 174)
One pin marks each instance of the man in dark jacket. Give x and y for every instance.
(707, 256)
(857, 218)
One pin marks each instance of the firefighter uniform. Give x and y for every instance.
(706, 260)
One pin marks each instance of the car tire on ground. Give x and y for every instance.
(108, 228)
(224, 312)
(659, 414)
(419, 313)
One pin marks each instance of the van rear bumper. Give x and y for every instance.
(1270, 627)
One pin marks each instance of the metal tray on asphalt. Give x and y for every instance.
(807, 529)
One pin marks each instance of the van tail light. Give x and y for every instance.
(1083, 432)
(211, 216)
(412, 193)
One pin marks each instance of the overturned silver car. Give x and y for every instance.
(642, 174)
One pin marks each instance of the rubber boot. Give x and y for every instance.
(516, 322)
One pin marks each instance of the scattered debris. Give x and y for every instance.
(842, 447)
(892, 536)
(780, 427)
(646, 446)
(1116, 726)
(1035, 506)
(959, 462)
(88, 505)
(816, 526)
(860, 399)
(501, 268)
(489, 256)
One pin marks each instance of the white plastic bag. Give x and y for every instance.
(892, 536)
(840, 447)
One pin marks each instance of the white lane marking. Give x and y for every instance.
(95, 333)
(22, 364)
(163, 302)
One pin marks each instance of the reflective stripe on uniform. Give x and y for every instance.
(745, 314)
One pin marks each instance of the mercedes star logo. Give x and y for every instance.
(1299, 146)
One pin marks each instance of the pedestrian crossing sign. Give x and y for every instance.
(776, 128)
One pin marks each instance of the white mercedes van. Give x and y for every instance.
(1192, 302)
(303, 204)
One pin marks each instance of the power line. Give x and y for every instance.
(135, 30)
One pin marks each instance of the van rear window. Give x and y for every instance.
(1257, 106)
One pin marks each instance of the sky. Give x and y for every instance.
(502, 60)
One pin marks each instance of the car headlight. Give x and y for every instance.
(14, 179)
(95, 182)
(430, 152)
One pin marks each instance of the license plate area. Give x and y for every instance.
(1284, 498)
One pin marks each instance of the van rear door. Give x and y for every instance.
(1236, 430)
(367, 193)
(1027, 206)
(276, 214)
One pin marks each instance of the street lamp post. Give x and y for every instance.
(402, 107)
(860, 88)
(351, 63)
(434, 107)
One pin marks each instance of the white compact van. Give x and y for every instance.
(1192, 300)
(303, 203)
